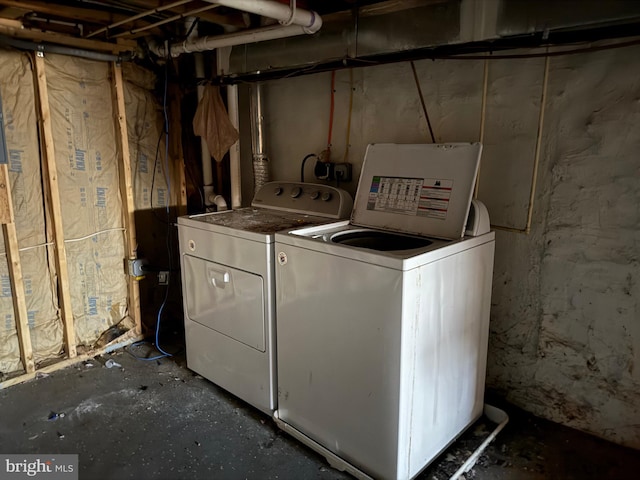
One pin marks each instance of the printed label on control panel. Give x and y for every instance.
(434, 198)
(424, 197)
(395, 195)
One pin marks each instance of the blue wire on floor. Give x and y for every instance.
(157, 336)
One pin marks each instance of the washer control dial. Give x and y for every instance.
(315, 195)
(326, 196)
(278, 191)
(296, 192)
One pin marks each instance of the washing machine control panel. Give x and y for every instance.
(306, 198)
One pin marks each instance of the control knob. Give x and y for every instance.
(278, 191)
(326, 196)
(295, 192)
(315, 195)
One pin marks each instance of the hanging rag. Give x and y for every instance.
(212, 123)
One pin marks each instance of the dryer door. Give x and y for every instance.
(225, 299)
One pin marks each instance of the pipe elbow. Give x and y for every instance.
(220, 203)
(156, 48)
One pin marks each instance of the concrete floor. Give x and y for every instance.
(158, 420)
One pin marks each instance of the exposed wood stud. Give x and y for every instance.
(6, 215)
(126, 190)
(51, 178)
(15, 275)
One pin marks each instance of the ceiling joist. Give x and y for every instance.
(15, 29)
(78, 14)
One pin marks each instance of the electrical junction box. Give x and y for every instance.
(342, 172)
(333, 171)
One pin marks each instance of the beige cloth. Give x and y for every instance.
(212, 123)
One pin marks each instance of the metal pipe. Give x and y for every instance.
(59, 49)
(138, 16)
(257, 120)
(308, 19)
(234, 152)
(34, 18)
(260, 158)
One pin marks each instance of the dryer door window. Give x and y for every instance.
(225, 299)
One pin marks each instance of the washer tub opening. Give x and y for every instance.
(382, 241)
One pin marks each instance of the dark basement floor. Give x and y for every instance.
(159, 420)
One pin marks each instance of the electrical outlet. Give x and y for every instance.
(342, 172)
(163, 278)
(330, 171)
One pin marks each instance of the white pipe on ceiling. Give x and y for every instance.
(308, 19)
(302, 22)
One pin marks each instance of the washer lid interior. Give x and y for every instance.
(420, 189)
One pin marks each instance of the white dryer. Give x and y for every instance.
(227, 263)
(382, 322)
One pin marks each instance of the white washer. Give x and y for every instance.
(227, 261)
(382, 337)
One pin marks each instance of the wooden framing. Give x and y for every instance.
(97, 19)
(232, 19)
(55, 233)
(176, 152)
(6, 208)
(126, 190)
(79, 14)
(15, 275)
(51, 178)
(126, 339)
(13, 28)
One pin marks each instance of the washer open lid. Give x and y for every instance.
(420, 189)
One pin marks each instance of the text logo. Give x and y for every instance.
(41, 467)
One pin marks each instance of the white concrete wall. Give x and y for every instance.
(565, 334)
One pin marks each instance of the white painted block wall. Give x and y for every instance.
(565, 320)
